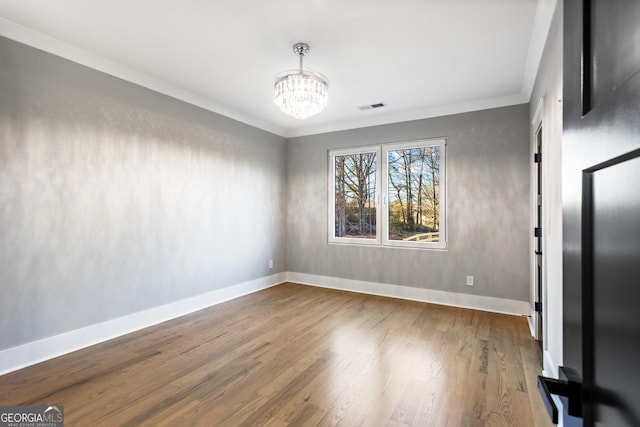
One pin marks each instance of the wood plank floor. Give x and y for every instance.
(297, 355)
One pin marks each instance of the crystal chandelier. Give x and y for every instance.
(303, 93)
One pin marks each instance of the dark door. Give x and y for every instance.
(601, 207)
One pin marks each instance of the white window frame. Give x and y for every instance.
(442, 240)
(332, 195)
(382, 192)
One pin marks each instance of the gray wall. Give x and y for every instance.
(487, 207)
(114, 198)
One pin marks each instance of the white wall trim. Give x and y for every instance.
(540, 31)
(478, 302)
(537, 115)
(549, 368)
(30, 37)
(38, 40)
(383, 119)
(536, 122)
(532, 323)
(34, 352)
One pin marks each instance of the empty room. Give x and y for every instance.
(362, 213)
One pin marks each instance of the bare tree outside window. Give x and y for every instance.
(355, 195)
(413, 194)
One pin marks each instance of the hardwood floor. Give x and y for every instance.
(297, 355)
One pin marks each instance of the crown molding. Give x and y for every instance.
(446, 110)
(38, 40)
(540, 32)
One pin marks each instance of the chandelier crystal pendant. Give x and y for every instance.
(302, 93)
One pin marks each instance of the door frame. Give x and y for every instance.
(537, 125)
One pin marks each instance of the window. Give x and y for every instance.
(354, 193)
(390, 195)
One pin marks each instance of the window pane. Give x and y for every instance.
(414, 194)
(355, 196)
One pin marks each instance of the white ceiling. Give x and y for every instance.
(422, 58)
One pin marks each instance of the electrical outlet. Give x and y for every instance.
(270, 263)
(469, 280)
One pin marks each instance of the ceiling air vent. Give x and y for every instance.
(371, 106)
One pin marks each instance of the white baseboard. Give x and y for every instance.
(34, 352)
(533, 320)
(478, 302)
(550, 368)
(37, 351)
